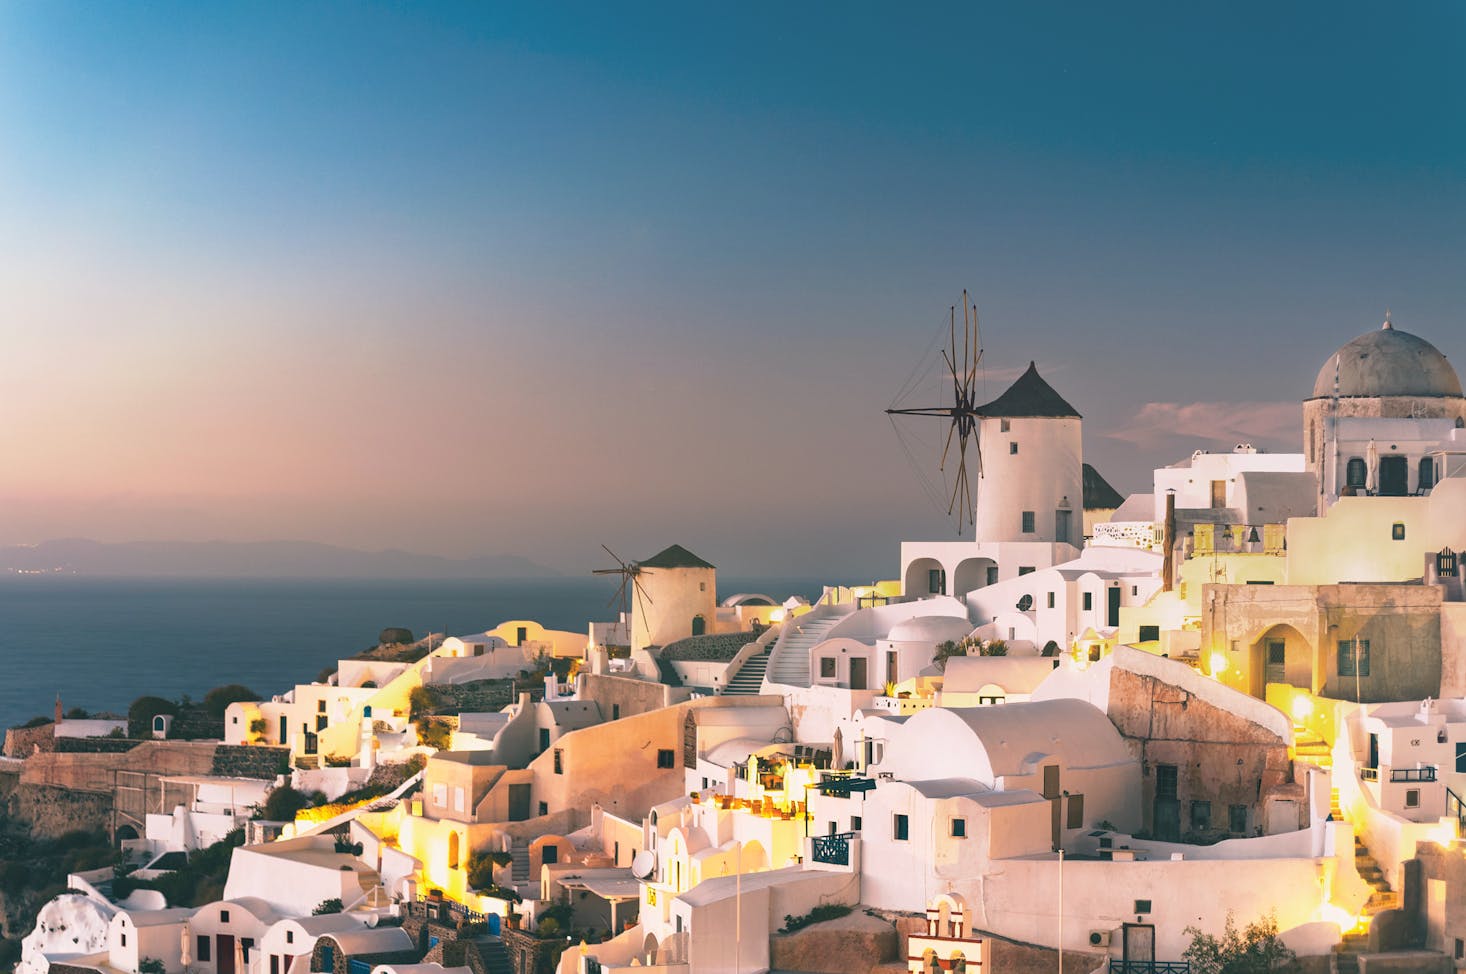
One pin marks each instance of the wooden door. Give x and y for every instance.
(857, 673)
(1140, 942)
(224, 953)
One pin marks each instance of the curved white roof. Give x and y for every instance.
(1015, 674)
(930, 629)
(987, 743)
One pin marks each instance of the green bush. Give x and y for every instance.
(423, 700)
(821, 913)
(549, 927)
(434, 733)
(151, 965)
(1257, 949)
(332, 905)
(283, 803)
(140, 715)
(217, 700)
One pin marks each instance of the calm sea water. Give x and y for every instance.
(103, 642)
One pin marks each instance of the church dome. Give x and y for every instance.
(1387, 362)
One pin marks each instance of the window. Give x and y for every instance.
(234, 720)
(615, 711)
(560, 762)
(1142, 906)
(900, 829)
(1356, 473)
(1004, 425)
(549, 855)
(666, 758)
(1025, 569)
(1397, 531)
(827, 667)
(1013, 447)
(124, 940)
(544, 808)
(1427, 473)
(992, 574)
(223, 916)
(320, 706)
(936, 581)
(1460, 944)
(321, 720)
(544, 739)
(1412, 798)
(1150, 634)
(1165, 781)
(1051, 600)
(1277, 652)
(702, 586)
(1353, 657)
(1027, 522)
(1076, 812)
(440, 795)
(290, 936)
(203, 947)
(1461, 757)
(1237, 819)
(1201, 816)
(1088, 601)
(855, 823)
(459, 799)
(959, 828)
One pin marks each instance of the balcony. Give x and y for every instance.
(1400, 774)
(832, 850)
(843, 786)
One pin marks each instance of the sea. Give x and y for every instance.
(101, 643)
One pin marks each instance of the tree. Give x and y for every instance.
(1257, 949)
(217, 700)
(283, 803)
(140, 715)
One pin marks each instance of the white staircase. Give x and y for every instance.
(789, 664)
(749, 680)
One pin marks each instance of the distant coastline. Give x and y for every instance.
(264, 559)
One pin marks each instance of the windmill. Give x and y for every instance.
(961, 412)
(629, 572)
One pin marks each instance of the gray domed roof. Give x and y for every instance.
(1388, 362)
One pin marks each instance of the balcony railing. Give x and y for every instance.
(1149, 967)
(1400, 774)
(1412, 774)
(842, 786)
(833, 850)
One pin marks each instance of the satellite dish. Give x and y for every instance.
(643, 863)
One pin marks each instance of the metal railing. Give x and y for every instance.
(1454, 806)
(833, 850)
(842, 786)
(1150, 967)
(1413, 774)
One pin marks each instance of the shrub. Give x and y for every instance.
(258, 726)
(35, 722)
(997, 647)
(423, 700)
(946, 651)
(1257, 949)
(77, 713)
(217, 700)
(434, 733)
(821, 913)
(151, 965)
(549, 927)
(332, 905)
(282, 804)
(140, 715)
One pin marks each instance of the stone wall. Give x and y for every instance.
(97, 772)
(95, 745)
(475, 697)
(1220, 757)
(52, 812)
(853, 944)
(529, 954)
(251, 761)
(22, 742)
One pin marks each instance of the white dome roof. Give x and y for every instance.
(1387, 362)
(930, 629)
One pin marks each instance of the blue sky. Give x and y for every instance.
(468, 278)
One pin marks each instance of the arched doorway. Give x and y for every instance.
(924, 577)
(1281, 655)
(972, 574)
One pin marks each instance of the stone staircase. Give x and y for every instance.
(789, 664)
(519, 867)
(486, 955)
(749, 680)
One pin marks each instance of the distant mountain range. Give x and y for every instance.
(264, 559)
